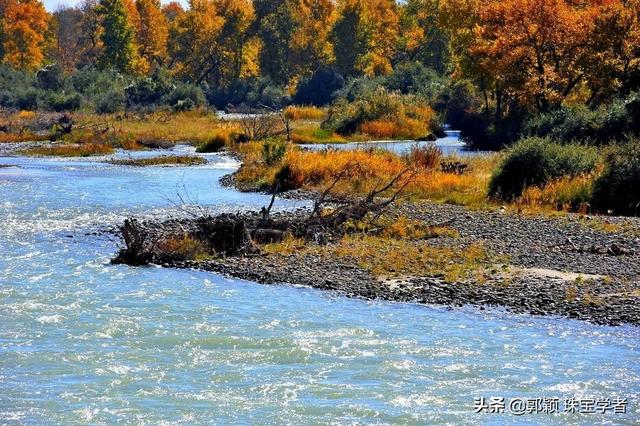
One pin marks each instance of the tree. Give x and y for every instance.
(172, 11)
(536, 50)
(614, 61)
(295, 37)
(118, 50)
(25, 25)
(90, 35)
(192, 40)
(212, 42)
(421, 37)
(365, 36)
(238, 49)
(152, 34)
(68, 23)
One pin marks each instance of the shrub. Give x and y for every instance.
(215, 144)
(381, 114)
(414, 78)
(318, 90)
(273, 151)
(569, 193)
(50, 78)
(535, 162)
(62, 102)
(608, 123)
(427, 156)
(287, 179)
(111, 102)
(144, 92)
(618, 188)
(185, 97)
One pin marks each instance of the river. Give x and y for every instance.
(451, 144)
(84, 342)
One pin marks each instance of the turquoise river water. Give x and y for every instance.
(84, 342)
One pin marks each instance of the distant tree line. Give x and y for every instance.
(488, 67)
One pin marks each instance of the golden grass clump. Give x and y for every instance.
(304, 113)
(70, 150)
(183, 247)
(318, 169)
(405, 228)
(397, 258)
(170, 160)
(568, 193)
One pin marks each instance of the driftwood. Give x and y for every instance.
(237, 234)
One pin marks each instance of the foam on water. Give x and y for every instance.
(82, 341)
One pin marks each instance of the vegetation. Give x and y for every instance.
(215, 144)
(137, 74)
(82, 150)
(536, 162)
(618, 188)
(381, 114)
(171, 160)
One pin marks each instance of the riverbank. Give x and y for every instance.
(575, 267)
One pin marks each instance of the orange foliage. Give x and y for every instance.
(25, 24)
(539, 49)
(151, 33)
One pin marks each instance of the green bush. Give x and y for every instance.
(215, 144)
(612, 122)
(415, 79)
(111, 102)
(618, 188)
(535, 162)
(273, 151)
(346, 117)
(185, 97)
(60, 102)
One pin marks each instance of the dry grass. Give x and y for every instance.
(402, 128)
(172, 160)
(70, 150)
(310, 133)
(428, 156)
(389, 257)
(194, 127)
(183, 247)
(305, 113)
(315, 170)
(565, 194)
(405, 228)
(22, 137)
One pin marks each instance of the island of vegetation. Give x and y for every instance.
(544, 221)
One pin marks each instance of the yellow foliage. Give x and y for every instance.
(304, 113)
(564, 194)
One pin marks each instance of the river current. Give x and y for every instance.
(85, 342)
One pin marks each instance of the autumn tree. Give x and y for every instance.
(152, 34)
(535, 49)
(68, 24)
(90, 43)
(25, 25)
(614, 45)
(192, 40)
(421, 37)
(365, 36)
(295, 37)
(3, 8)
(117, 36)
(172, 11)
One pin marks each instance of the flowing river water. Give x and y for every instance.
(84, 342)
